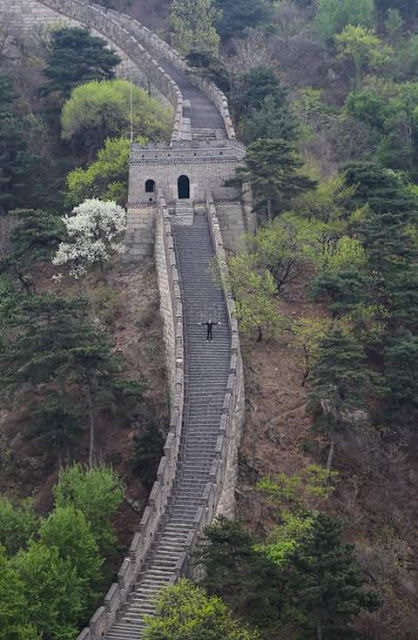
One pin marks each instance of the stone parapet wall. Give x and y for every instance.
(234, 403)
(172, 309)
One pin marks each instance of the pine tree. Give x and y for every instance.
(76, 57)
(340, 382)
(245, 578)
(325, 582)
(193, 25)
(15, 159)
(271, 167)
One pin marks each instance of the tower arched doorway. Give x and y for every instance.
(183, 188)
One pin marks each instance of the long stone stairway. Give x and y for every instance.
(207, 370)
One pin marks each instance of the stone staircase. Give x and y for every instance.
(183, 213)
(207, 370)
(203, 134)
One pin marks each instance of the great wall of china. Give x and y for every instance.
(180, 211)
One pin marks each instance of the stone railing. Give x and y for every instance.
(114, 27)
(105, 616)
(233, 407)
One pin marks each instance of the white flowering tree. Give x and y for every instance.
(94, 233)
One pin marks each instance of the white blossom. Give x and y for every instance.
(94, 230)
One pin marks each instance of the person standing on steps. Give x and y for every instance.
(209, 324)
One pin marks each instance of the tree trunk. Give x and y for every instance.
(92, 426)
(331, 453)
(319, 631)
(269, 209)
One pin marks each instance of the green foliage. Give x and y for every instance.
(258, 96)
(208, 65)
(99, 110)
(106, 178)
(325, 582)
(333, 16)
(363, 48)
(51, 341)
(394, 26)
(17, 525)
(342, 290)
(34, 239)
(236, 16)
(300, 492)
(401, 378)
(148, 450)
(68, 531)
(279, 248)
(76, 57)
(192, 22)
(241, 573)
(14, 618)
(185, 612)
(271, 167)
(254, 294)
(270, 121)
(97, 493)
(15, 159)
(340, 382)
(53, 590)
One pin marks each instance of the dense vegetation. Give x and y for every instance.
(325, 95)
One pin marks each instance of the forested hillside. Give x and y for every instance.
(325, 96)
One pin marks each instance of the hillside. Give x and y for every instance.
(325, 96)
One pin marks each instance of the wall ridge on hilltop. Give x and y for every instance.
(181, 212)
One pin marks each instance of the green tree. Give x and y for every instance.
(254, 294)
(240, 573)
(53, 591)
(363, 48)
(334, 15)
(15, 159)
(235, 16)
(97, 493)
(394, 26)
(325, 583)
(76, 57)
(271, 120)
(192, 22)
(340, 382)
(51, 341)
(278, 247)
(14, 619)
(257, 95)
(68, 531)
(380, 189)
(271, 167)
(17, 525)
(106, 178)
(33, 240)
(148, 451)
(401, 377)
(100, 110)
(185, 612)
(56, 421)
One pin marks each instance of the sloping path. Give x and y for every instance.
(207, 370)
